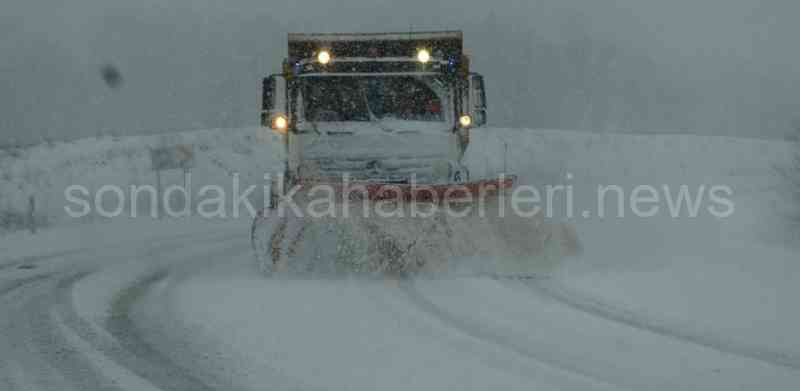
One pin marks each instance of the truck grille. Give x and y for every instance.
(429, 169)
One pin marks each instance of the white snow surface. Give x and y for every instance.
(44, 172)
(653, 303)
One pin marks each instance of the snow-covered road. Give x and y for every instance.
(185, 311)
(66, 317)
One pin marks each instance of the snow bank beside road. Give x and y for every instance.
(539, 156)
(588, 161)
(45, 171)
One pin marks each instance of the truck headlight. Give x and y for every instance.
(465, 121)
(280, 123)
(324, 57)
(423, 56)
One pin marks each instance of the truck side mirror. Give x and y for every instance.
(273, 101)
(477, 99)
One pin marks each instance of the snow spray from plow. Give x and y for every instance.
(445, 229)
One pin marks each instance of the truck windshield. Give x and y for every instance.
(349, 98)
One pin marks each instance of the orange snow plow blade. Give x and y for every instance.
(433, 192)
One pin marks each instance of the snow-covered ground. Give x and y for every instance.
(44, 172)
(653, 303)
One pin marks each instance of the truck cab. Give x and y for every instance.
(389, 107)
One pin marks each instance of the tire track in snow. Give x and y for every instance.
(607, 311)
(39, 348)
(40, 318)
(28, 261)
(17, 284)
(141, 356)
(480, 332)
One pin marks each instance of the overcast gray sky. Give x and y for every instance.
(196, 64)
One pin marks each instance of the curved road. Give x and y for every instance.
(187, 312)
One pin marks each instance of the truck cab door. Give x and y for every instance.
(477, 99)
(273, 100)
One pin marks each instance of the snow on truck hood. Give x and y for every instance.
(377, 126)
(386, 149)
(377, 139)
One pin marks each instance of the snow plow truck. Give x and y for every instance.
(374, 128)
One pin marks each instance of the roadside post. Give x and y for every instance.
(177, 157)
